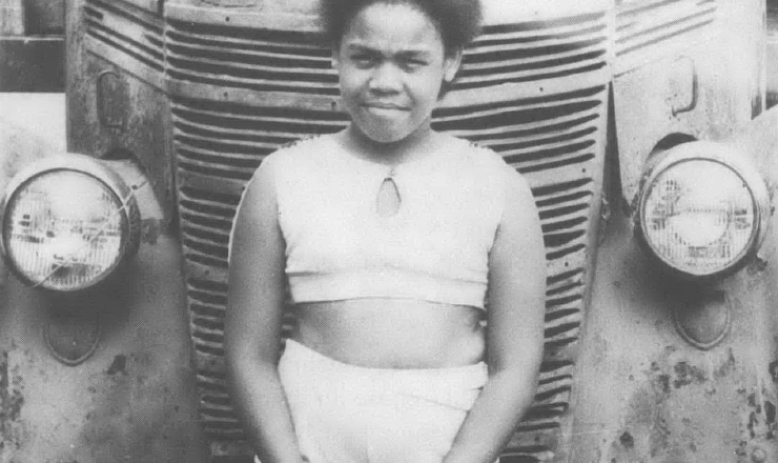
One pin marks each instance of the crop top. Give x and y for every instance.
(435, 248)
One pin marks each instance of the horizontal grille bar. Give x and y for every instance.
(297, 62)
(253, 59)
(127, 31)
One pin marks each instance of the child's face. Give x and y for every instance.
(391, 63)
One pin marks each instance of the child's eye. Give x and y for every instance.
(412, 64)
(363, 60)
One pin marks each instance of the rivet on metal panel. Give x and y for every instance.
(695, 89)
(758, 455)
(110, 94)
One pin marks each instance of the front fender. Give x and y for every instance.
(644, 393)
(134, 398)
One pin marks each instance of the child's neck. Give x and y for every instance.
(415, 146)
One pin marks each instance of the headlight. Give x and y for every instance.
(702, 209)
(67, 223)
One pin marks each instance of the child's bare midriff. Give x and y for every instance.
(392, 333)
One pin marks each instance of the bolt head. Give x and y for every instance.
(758, 455)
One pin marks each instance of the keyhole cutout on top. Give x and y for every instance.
(388, 199)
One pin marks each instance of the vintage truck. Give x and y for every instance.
(642, 125)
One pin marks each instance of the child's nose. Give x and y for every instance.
(386, 78)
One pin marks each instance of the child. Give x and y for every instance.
(390, 235)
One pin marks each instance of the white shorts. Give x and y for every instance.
(350, 414)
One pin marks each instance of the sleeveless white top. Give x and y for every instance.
(435, 248)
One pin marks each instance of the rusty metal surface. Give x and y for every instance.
(644, 393)
(648, 30)
(127, 36)
(114, 106)
(133, 400)
(704, 91)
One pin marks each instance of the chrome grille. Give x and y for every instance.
(229, 141)
(533, 51)
(534, 134)
(249, 58)
(287, 61)
(555, 137)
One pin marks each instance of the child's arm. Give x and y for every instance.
(517, 282)
(253, 322)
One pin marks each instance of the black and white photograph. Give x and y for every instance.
(388, 231)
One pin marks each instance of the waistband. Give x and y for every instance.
(443, 380)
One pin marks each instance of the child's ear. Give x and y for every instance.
(451, 64)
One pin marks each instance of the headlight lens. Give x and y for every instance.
(701, 214)
(66, 229)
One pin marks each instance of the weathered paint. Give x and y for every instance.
(134, 399)
(116, 106)
(646, 395)
(688, 86)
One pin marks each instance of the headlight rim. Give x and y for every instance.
(90, 167)
(732, 159)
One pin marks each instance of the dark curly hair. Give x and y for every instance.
(458, 21)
